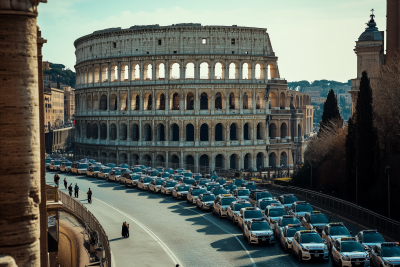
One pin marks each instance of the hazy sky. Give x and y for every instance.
(313, 39)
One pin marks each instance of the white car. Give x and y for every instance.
(144, 182)
(257, 231)
(248, 214)
(82, 168)
(93, 171)
(167, 186)
(114, 175)
(55, 165)
(155, 185)
(308, 245)
(65, 167)
(347, 251)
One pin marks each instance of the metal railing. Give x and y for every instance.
(90, 221)
(385, 225)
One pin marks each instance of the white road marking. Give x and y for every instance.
(153, 235)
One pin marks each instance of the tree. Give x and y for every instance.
(350, 145)
(367, 150)
(331, 110)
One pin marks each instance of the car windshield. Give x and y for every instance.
(197, 192)
(153, 173)
(319, 218)
(208, 198)
(218, 191)
(96, 169)
(352, 246)
(124, 166)
(48, 160)
(187, 174)
(373, 238)
(263, 195)
(338, 230)
(183, 188)
(211, 187)
(81, 166)
(243, 192)
(68, 164)
(177, 177)
(135, 177)
(238, 206)
(188, 181)
(238, 182)
(260, 226)
(310, 238)
(288, 200)
(276, 212)
(227, 200)
(286, 221)
(203, 182)
(292, 231)
(57, 162)
(118, 173)
(264, 204)
(106, 170)
(137, 170)
(159, 182)
(147, 180)
(251, 186)
(248, 214)
(170, 184)
(391, 251)
(304, 208)
(111, 165)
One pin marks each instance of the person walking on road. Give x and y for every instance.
(70, 190)
(124, 230)
(65, 182)
(89, 196)
(56, 179)
(76, 190)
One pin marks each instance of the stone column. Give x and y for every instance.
(226, 70)
(108, 73)
(20, 113)
(166, 160)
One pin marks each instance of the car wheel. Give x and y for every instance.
(286, 248)
(126, 184)
(299, 257)
(107, 179)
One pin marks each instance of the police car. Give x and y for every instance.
(273, 212)
(264, 202)
(155, 185)
(385, 254)
(299, 208)
(282, 222)
(218, 191)
(257, 231)
(205, 201)
(234, 208)
(241, 193)
(346, 251)
(167, 186)
(238, 182)
(103, 173)
(211, 185)
(308, 245)
(369, 238)
(180, 191)
(249, 185)
(286, 238)
(194, 193)
(287, 200)
(247, 214)
(197, 176)
(201, 182)
(114, 175)
(229, 187)
(222, 203)
(333, 231)
(315, 220)
(221, 181)
(144, 182)
(255, 195)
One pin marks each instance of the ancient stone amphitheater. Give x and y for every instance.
(186, 95)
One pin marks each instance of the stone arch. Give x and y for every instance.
(148, 101)
(135, 72)
(123, 158)
(283, 100)
(83, 103)
(246, 131)
(104, 74)
(220, 161)
(259, 100)
(147, 71)
(234, 162)
(103, 102)
(246, 71)
(260, 160)
(160, 71)
(89, 102)
(204, 71)
(233, 101)
(175, 101)
(245, 101)
(160, 160)
(189, 132)
(135, 134)
(272, 71)
(259, 71)
(88, 131)
(160, 132)
(260, 132)
(233, 71)
(247, 162)
(124, 72)
(175, 70)
(123, 100)
(272, 131)
(234, 132)
(147, 133)
(284, 130)
(161, 101)
(272, 160)
(123, 134)
(283, 159)
(189, 160)
(95, 102)
(204, 160)
(219, 101)
(273, 98)
(135, 159)
(88, 153)
(135, 102)
(204, 132)
(174, 132)
(114, 73)
(174, 161)
(113, 132)
(190, 101)
(219, 71)
(96, 155)
(147, 160)
(113, 102)
(95, 131)
(219, 132)
(103, 131)
(204, 101)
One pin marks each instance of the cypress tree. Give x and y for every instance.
(331, 110)
(350, 144)
(367, 147)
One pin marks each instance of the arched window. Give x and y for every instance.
(135, 102)
(174, 132)
(189, 161)
(283, 130)
(247, 162)
(160, 71)
(233, 132)
(259, 101)
(104, 74)
(123, 159)
(103, 155)
(219, 161)
(272, 160)
(124, 102)
(103, 131)
(260, 160)
(204, 70)
(257, 71)
(160, 132)
(162, 102)
(272, 131)
(89, 102)
(175, 101)
(125, 72)
(103, 102)
(113, 102)
(136, 72)
(272, 96)
(232, 101)
(148, 71)
(232, 71)
(95, 102)
(259, 132)
(149, 102)
(147, 160)
(204, 132)
(135, 159)
(147, 133)
(113, 132)
(190, 101)
(175, 71)
(283, 100)
(219, 132)
(160, 160)
(88, 131)
(246, 132)
(189, 132)
(135, 132)
(203, 101)
(124, 132)
(95, 131)
(234, 162)
(283, 159)
(245, 101)
(174, 161)
(246, 71)
(114, 73)
(218, 101)
(219, 71)
(204, 161)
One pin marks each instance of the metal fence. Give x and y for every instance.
(385, 225)
(91, 222)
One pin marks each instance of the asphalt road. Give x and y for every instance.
(172, 231)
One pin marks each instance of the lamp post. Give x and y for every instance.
(387, 170)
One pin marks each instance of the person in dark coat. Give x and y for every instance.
(89, 196)
(76, 190)
(56, 179)
(65, 182)
(70, 190)
(124, 230)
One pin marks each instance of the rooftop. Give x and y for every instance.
(371, 33)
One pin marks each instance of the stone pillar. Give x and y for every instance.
(20, 134)
(153, 70)
(226, 70)
(108, 73)
(166, 160)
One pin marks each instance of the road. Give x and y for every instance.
(187, 235)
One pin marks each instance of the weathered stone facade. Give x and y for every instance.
(186, 95)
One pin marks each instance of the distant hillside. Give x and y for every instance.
(60, 75)
(324, 84)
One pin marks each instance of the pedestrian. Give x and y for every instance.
(56, 179)
(127, 230)
(70, 190)
(65, 182)
(124, 229)
(89, 196)
(76, 190)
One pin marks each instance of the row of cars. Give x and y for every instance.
(295, 225)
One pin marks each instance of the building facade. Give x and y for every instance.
(69, 104)
(54, 107)
(186, 95)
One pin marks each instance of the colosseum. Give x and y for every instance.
(186, 95)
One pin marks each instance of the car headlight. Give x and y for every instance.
(304, 249)
(289, 241)
(346, 258)
(253, 235)
(325, 249)
(205, 204)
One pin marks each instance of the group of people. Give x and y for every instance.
(76, 188)
(125, 230)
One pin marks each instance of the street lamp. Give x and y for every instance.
(387, 170)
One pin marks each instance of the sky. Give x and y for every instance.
(313, 39)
